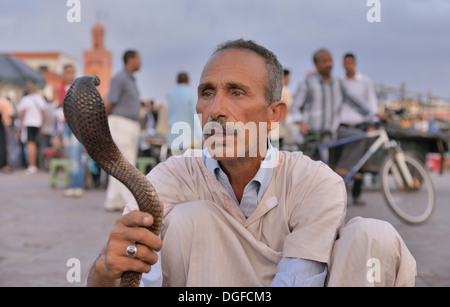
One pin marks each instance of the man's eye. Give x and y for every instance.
(237, 94)
(207, 94)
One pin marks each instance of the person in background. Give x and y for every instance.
(148, 124)
(123, 108)
(283, 136)
(352, 122)
(73, 148)
(31, 119)
(184, 125)
(290, 128)
(48, 130)
(318, 102)
(6, 116)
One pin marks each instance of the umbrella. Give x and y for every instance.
(15, 72)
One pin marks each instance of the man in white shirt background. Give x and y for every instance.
(352, 122)
(362, 87)
(31, 118)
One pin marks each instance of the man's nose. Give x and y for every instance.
(218, 106)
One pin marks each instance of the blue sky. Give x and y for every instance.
(411, 43)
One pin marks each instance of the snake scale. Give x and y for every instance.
(85, 114)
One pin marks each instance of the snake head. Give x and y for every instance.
(87, 81)
(86, 116)
(96, 80)
(83, 102)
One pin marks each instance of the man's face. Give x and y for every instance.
(69, 74)
(232, 93)
(349, 64)
(324, 63)
(135, 62)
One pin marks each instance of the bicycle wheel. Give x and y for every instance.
(413, 205)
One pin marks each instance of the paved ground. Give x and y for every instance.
(429, 243)
(41, 230)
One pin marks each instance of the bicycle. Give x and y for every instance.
(405, 182)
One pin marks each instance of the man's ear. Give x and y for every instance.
(277, 112)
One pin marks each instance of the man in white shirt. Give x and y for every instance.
(32, 116)
(362, 87)
(352, 122)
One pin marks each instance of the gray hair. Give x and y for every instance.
(275, 73)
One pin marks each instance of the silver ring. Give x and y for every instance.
(132, 250)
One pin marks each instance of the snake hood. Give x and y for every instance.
(86, 117)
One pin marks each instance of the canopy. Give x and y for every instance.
(15, 72)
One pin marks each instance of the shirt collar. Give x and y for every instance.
(263, 176)
(131, 76)
(356, 77)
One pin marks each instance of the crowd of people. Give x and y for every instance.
(341, 106)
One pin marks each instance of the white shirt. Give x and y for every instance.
(363, 88)
(33, 105)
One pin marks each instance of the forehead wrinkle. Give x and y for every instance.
(242, 68)
(233, 84)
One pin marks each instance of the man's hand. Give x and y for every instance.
(114, 261)
(384, 117)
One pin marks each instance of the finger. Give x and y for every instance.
(144, 254)
(115, 266)
(138, 266)
(132, 228)
(143, 236)
(136, 219)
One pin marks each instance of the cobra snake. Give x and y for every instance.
(86, 117)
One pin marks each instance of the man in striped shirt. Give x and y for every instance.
(319, 100)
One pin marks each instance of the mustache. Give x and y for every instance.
(220, 127)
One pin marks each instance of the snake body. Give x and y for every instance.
(85, 114)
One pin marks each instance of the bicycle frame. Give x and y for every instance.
(383, 139)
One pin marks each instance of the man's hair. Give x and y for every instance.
(275, 74)
(350, 55)
(182, 78)
(316, 54)
(68, 66)
(129, 54)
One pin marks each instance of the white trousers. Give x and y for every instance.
(125, 133)
(202, 248)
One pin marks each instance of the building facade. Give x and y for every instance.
(98, 60)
